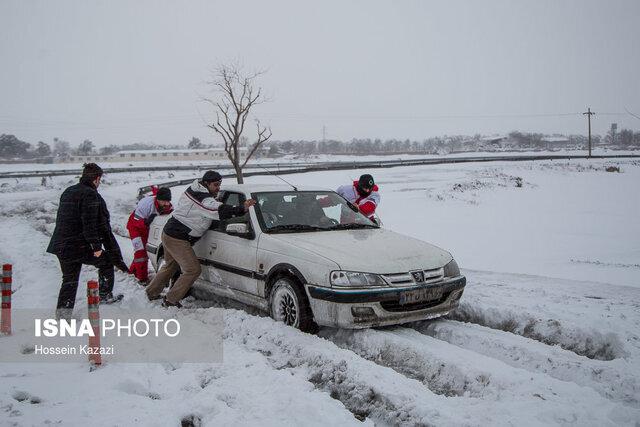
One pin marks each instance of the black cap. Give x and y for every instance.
(164, 193)
(366, 182)
(211, 176)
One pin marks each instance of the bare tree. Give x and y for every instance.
(194, 143)
(61, 147)
(236, 94)
(85, 148)
(43, 149)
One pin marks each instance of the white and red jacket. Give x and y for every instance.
(195, 211)
(138, 227)
(366, 204)
(145, 208)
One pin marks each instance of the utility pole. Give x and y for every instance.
(589, 113)
(324, 133)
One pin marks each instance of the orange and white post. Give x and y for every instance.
(93, 304)
(5, 327)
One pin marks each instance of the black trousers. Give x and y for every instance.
(71, 275)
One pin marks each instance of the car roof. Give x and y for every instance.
(259, 188)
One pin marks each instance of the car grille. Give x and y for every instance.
(416, 277)
(395, 305)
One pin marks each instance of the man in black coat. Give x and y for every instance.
(83, 236)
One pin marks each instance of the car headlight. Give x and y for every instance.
(355, 279)
(451, 269)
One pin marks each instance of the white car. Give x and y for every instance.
(309, 258)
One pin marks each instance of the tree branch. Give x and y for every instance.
(263, 136)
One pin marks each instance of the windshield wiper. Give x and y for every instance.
(295, 227)
(351, 226)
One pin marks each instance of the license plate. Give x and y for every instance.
(420, 295)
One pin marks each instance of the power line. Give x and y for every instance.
(422, 117)
(132, 122)
(631, 114)
(162, 120)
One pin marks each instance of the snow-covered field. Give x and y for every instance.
(547, 332)
(597, 151)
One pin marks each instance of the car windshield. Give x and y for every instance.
(304, 211)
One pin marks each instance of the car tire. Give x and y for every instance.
(289, 304)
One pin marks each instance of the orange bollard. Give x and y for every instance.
(93, 305)
(5, 319)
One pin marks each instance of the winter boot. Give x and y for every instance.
(110, 298)
(166, 303)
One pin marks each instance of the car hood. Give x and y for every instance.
(369, 250)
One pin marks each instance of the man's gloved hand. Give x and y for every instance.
(120, 265)
(353, 206)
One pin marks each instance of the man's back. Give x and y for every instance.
(76, 222)
(195, 210)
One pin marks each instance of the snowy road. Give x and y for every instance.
(538, 339)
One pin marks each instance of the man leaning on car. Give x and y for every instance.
(196, 209)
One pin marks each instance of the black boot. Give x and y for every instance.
(166, 303)
(109, 298)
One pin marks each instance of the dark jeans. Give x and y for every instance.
(71, 275)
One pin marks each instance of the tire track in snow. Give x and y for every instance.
(588, 343)
(378, 392)
(609, 378)
(366, 390)
(396, 349)
(454, 371)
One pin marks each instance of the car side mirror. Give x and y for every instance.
(237, 229)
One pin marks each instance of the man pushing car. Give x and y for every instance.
(196, 209)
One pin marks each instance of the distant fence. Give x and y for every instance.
(293, 168)
(77, 171)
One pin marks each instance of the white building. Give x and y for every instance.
(557, 142)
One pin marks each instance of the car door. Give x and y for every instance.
(231, 260)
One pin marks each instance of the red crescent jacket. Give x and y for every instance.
(367, 205)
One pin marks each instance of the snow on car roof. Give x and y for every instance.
(256, 188)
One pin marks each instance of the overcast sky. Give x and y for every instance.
(120, 72)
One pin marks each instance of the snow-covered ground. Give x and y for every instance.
(597, 151)
(547, 332)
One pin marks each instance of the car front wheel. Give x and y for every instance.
(289, 305)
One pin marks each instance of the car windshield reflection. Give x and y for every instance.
(307, 211)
